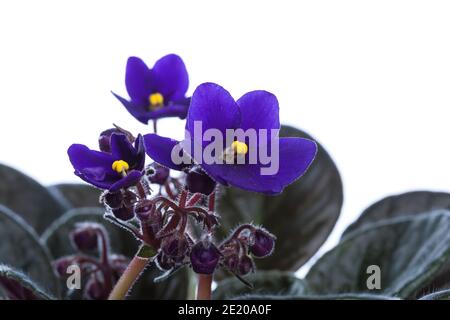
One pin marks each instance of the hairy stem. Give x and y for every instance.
(204, 286)
(205, 280)
(128, 278)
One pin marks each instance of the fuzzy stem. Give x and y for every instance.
(204, 286)
(128, 278)
(194, 199)
(205, 280)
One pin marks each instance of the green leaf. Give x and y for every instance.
(76, 195)
(15, 285)
(343, 296)
(27, 198)
(264, 282)
(21, 249)
(122, 242)
(301, 217)
(439, 295)
(56, 237)
(409, 250)
(410, 203)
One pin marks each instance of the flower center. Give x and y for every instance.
(156, 100)
(239, 147)
(120, 167)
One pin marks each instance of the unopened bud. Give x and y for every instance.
(199, 182)
(263, 243)
(204, 257)
(85, 236)
(156, 173)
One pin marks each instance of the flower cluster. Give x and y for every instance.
(161, 210)
(102, 271)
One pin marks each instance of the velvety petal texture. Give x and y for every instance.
(295, 156)
(160, 150)
(138, 81)
(214, 108)
(259, 110)
(95, 167)
(168, 77)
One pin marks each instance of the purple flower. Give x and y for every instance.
(215, 108)
(121, 168)
(158, 92)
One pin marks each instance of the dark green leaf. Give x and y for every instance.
(76, 195)
(439, 295)
(264, 282)
(122, 242)
(21, 249)
(33, 202)
(410, 203)
(409, 250)
(301, 217)
(15, 285)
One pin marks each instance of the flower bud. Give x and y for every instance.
(156, 173)
(144, 209)
(263, 243)
(199, 182)
(95, 290)
(231, 262)
(62, 264)
(204, 257)
(104, 140)
(123, 213)
(245, 265)
(163, 262)
(85, 236)
(175, 247)
(113, 200)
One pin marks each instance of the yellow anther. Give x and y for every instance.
(156, 100)
(239, 147)
(120, 166)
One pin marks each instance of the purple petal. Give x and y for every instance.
(170, 77)
(92, 166)
(91, 177)
(138, 81)
(82, 157)
(140, 153)
(160, 149)
(214, 108)
(140, 112)
(173, 110)
(129, 180)
(259, 110)
(295, 156)
(122, 149)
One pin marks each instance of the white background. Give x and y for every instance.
(369, 79)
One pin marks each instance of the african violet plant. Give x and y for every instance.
(166, 218)
(159, 217)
